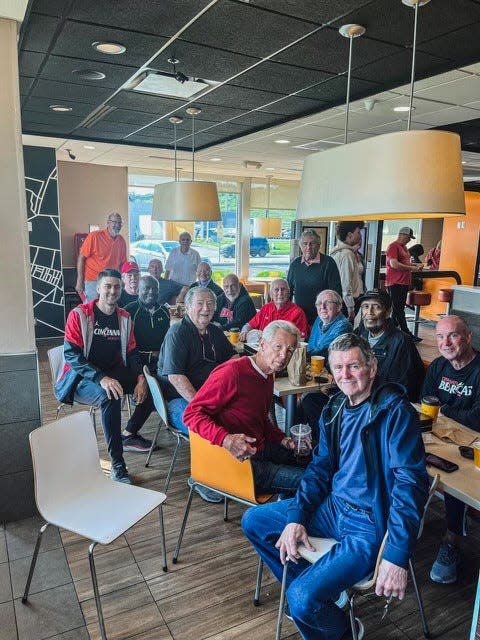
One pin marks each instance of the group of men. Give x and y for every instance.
(367, 475)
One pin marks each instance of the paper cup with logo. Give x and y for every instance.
(316, 365)
(476, 454)
(430, 406)
(234, 335)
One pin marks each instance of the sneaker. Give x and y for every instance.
(444, 569)
(119, 473)
(209, 495)
(136, 443)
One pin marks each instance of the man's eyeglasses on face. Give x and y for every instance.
(117, 223)
(325, 303)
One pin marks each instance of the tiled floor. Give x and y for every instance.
(208, 594)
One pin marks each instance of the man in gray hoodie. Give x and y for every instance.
(344, 254)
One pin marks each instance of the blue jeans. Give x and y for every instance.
(275, 470)
(176, 407)
(313, 589)
(455, 515)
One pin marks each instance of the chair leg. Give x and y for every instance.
(172, 464)
(153, 445)
(225, 509)
(426, 630)
(351, 611)
(93, 573)
(182, 528)
(281, 604)
(93, 416)
(34, 561)
(129, 407)
(258, 584)
(162, 535)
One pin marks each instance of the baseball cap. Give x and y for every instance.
(377, 294)
(408, 232)
(130, 266)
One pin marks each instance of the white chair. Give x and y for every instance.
(161, 409)
(323, 546)
(72, 492)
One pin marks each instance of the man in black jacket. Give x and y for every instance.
(397, 356)
(234, 307)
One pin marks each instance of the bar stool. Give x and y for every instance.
(418, 299)
(445, 295)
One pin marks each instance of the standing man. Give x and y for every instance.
(105, 249)
(311, 273)
(367, 477)
(168, 290)
(130, 280)
(182, 262)
(234, 306)
(344, 254)
(102, 364)
(454, 378)
(399, 277)
(204, 279)
(231, 410)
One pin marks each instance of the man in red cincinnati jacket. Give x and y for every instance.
(231, 410)
(102, 364)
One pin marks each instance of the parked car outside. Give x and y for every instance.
(143, 251)
(258, 247)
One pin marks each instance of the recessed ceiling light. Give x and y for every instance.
(282, 141)
(215, 159)
(464, 162)
(403, 109)
(269, 168)
(110, 48)
(89, 74)
(59, 107)
(88, 146)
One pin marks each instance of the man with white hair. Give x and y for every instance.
(182, 262)
(204, 279)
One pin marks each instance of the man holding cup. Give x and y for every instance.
(367, 477)
(454, 378)
(231, 410)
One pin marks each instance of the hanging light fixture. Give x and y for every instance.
(409, 174)
(267, 227)
(349, 31)
(186, 200)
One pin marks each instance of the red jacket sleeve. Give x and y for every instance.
(302, 323)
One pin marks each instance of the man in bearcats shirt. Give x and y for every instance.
(102, 364)
(454, 378)
(399, 276)
(231, 410)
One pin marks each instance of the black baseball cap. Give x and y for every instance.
(377, 294)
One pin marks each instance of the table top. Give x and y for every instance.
(283, 387)
(463, 484)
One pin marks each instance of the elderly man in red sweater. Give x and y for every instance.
(231, 410)
(280, 308)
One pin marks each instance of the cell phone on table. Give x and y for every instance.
(426, 421)
(466, 452)
(440, 463)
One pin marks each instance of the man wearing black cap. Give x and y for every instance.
(397, 356)
(399, 276)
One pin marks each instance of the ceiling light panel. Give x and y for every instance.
(168, 86)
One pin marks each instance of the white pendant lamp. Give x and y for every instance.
(409, 174)
(186, 200)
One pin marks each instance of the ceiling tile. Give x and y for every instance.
(61, 69)
(29, 63)
(38, 32)
(271, 76)
(62, 91)
(232, 96)
(461, 91)
(319, 12)
(396, 69)
(456, 45)
(293, 105)
(334, 91)
(144, 102)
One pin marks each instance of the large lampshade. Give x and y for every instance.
(185, 201)
(267, 227)
(409, 174)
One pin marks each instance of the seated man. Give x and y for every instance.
(397, 356)
(367, 477)
(231, 410)
(168, 290)
(130, 279)
(454, 378)
(204, 279)
(329, 324)
(280, 308)
(151, 323)
(102, 364)
(234, 307)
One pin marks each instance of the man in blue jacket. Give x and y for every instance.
(367, 477)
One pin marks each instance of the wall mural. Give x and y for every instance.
(44, 232)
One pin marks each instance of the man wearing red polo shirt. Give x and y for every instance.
(105, 249)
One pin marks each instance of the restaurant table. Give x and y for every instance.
(463, 484)
(283, 388)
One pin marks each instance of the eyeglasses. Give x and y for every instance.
(325, 302)
(210, 347)
(115, 221)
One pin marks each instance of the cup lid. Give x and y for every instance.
(433, 400)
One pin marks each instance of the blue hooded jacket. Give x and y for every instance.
(396, 476)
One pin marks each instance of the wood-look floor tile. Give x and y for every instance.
(103, 562)
(109, 581)
(260, 628)
(80, 633)
(118, 602)
(159, 633)
(131, 623)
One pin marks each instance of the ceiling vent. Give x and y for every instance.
(170, 85)
(96, 116)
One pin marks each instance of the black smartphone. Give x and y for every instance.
(466, 452)
(436, 461)
(426, 421)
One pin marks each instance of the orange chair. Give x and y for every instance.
(214, 467)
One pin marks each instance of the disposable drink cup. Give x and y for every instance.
(316, 365)
(430, 406)
(476, 454)
(234, 336)
(301, 434)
